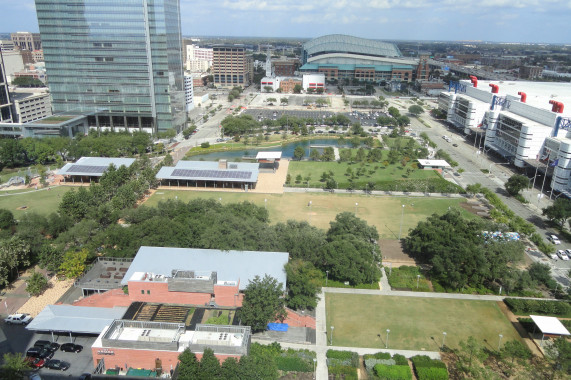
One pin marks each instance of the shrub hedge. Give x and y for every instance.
(292, 363)
(523, 306)
(431, 373)
(393, 372)
(426, 361)
(343, 358)
(343, 372)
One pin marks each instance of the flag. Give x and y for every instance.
(554, 163)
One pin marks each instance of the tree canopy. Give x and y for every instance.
(516, 183)
(263, 303)
(559, 211)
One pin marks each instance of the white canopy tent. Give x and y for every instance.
(549, 326)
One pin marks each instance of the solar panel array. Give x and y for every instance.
(215, 174)
(87, 169)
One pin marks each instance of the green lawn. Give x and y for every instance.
(414, 323)
(408, 277)
(42, 201)
(382, 212)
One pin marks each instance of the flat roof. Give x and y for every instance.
(77, 319)
(268, 155)
(442, 163)
(549, 325)
(538, 93)
(94, 166)
(240, 266)
(210, 171)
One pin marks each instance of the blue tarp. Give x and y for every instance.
(278, 326)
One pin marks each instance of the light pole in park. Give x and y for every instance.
(266, 203)
(314, 362)
(326, 277)
(356, 205)
(331, 337)
(387, 341)
(443, 339)
(500, 341)
(417, 281)
(401, 220)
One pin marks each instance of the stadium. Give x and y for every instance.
(342, 57)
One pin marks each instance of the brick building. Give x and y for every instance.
(286, 67)
(231, 66)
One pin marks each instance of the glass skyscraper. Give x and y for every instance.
(120, 61)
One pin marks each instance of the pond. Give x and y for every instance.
(286, 149)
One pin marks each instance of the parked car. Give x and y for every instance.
(52, 346)
(36, 362)
(554, 239)
(34, 352)
(85, 376)
(562, 255)
(57, 364)
(71, 347)
(18, 319)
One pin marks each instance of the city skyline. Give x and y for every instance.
(454, 20)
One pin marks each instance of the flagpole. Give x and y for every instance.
(555, 163)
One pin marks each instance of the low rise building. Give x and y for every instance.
(30, 106)
(189, 92)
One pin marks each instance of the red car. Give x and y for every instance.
(36, 362)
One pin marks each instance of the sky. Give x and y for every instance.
(533, 21)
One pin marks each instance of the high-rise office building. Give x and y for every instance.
(5, 103)
(119, 61)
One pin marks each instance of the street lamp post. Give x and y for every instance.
(443, 338)
(387, 341)
(266, 203)
(314, 362)
(500, 341)
(326, 277)
(356, 205)
(417, 281)
(331, 337)
(401, 220)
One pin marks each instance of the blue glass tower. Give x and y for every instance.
(118, 60)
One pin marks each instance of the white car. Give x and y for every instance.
(562, 255)
(18, 319)
(554, 239)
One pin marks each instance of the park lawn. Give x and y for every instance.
(42, 202)
(405, 277)
(415, 323)
(382, 212)
(375, 172)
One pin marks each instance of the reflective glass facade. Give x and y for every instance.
(119, 58)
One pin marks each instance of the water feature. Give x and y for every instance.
(286, 149)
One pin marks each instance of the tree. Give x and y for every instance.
(14, 252)
(560, 353)
(559, 211)
(314, 155)
(516, 183)
(188, 367)
(394, 112)
(297, 89)
(168, 160)
(14, 366)
(73, 263)
(263, 303)
(36, 284)
(514, 349)
(415, 110)
(298, 152)
(6, 219)
(209, 366)
(303, 284)
(328, 154)
(27, 82)
(230, 369)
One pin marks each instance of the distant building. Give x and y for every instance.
(6, 45)
(198, 59)
(88, 169)
(530, 72)
(38, 55)
(189, 92)
(30, 106)
(27, 41)
(287, 84)
(12, 63)
(231, 66)
(32, 73)
(423, 70)
(313, 82)
(285, 67)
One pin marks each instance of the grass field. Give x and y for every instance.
(382, 212)
(414, 323)
(42, 202)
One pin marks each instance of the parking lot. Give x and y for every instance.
(81, 362)
(276, 114)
